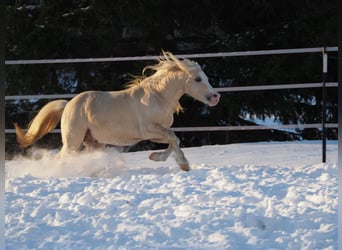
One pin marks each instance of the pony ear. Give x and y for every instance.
(179, 63)
(166, 54)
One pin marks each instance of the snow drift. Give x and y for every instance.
(239, 196)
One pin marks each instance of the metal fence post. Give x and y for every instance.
(324, 97)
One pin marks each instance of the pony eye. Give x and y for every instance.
(198, 79)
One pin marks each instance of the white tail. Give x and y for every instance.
(45, 121)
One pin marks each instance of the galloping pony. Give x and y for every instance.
(143, 111)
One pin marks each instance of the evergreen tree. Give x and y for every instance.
(88, 28)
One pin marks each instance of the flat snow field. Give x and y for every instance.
(272, 195)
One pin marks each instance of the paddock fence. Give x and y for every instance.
(323, 85)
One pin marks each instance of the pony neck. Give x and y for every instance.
(173, 89)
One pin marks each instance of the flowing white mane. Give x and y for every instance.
(168, 63)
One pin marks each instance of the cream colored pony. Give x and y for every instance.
(144, 111)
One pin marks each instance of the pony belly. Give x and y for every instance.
(117, 139)
(122, 142)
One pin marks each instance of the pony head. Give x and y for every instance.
(197, 84)
(198, 87)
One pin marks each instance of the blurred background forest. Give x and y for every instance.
(46, 29)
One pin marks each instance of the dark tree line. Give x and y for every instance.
(89, 28)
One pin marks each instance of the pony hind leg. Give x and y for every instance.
(90, 142)
(73, 143)
(72, 140)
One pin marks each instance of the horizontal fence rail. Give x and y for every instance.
(201, 55)
(277, 87)
(31, 97)
(254, 127)
(223, 89)
(234, 128)
(220, 89)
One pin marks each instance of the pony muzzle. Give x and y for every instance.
(213, 99)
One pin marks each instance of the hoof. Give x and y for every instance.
(184, 167)
(152, 156)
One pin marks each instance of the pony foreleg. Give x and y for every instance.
(161, 156)
(164, 135)
(179, 155)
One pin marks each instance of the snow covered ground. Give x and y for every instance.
(239, 196)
